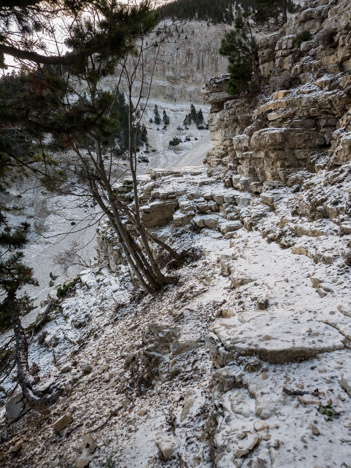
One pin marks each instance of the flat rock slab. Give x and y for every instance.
(275, 337)
(14, 406)
(63, 421)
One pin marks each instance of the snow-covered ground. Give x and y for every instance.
(244, 362)
(64, 223)
(193, 141)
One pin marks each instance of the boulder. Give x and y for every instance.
(158, 213)
(288, 339)
(63, 422)
(167, 447)
(15, 406)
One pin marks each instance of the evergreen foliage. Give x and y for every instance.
(199, 118)
(166, 120)
(240, 46)
(175, 141)
(187, 120)
(222, 11)
(194, 116)
(157, 118)
(277, 10)
(303, 37)
(14, 274)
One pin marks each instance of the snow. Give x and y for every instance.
(235, 368)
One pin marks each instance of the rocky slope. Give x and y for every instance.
(181, 56)
(246, 360)
(184, 62)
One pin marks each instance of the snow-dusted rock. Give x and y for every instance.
(167, 447)
(63, 422)
(345, 382)
(15, 406)
(284, 340)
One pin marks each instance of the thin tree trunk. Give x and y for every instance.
(133, 168)
(25, 379)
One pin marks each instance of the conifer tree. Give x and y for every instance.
(240, 46)
(165, 119)
(187, 120)
(277, 10)
(14, 274)
(199, 118)
(157, 118)
(144, 134)
(193, 113)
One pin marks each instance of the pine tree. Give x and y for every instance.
(144, 135)
(157, 117)
(165, 119)
(277, 10)
(187, 120)
(14, 274)
(240, 46)
(193, 113)
(199, 118)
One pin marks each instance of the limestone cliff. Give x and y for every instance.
(180, 57)
(300, 117)
(245, 361)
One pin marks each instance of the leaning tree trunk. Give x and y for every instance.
(161, 279)
(25, 379)
(136, 258)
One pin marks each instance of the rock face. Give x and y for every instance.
(288, 148)
(245, 361)
(184, 60)
(15, 406)
(302, 117)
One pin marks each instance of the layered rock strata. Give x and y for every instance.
(301, 116)
(178, 61)
(280, 343)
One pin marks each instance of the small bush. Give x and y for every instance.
(303, 37)
(63, 290)
(175, 141)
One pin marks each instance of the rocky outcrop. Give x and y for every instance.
(302, 111)
(179, 61)
(279, 346)
(288, 148)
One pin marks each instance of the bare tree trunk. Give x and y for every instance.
(135, 257)
(133, 169)
(24, 377)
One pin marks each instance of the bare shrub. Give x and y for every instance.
(71, 257)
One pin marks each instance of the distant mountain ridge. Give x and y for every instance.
(220, 11)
